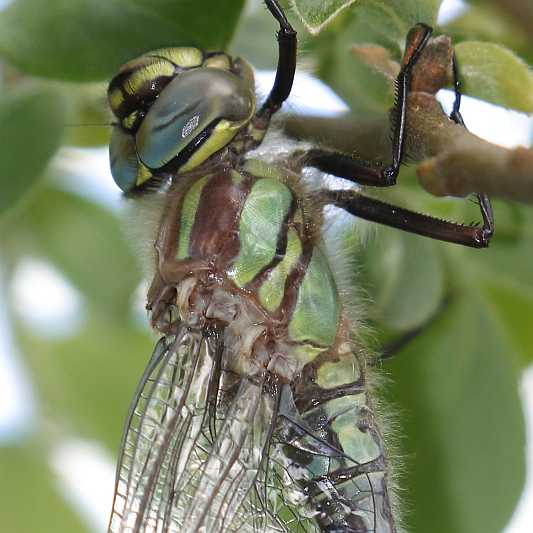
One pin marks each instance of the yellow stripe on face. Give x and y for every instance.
(149, 72)
(184, 57)
(129, 121)
(143, 174)
(220, 61)
(221, 135)
(115, 98)
(134, 64)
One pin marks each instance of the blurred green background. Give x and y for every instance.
(79, 345)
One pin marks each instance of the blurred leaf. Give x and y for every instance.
(487, 23)
(86, 382)
(87, 40)
(31, 126)
(83, 241)
(521, 11)
(492, 72)
(513, 307)
(315, 14)
(29, 494)
(406, 279)
(388, 22)
(465, 430)
(503, 276)
(372, 21)
(89, 122)
(255, 37)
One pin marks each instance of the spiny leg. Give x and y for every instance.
(483, 200)
(359, 170)
(397, 217)
(363, 173)
(286, 68)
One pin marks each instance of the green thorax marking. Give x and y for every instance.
(188, 216)
(261, 223)
(272, 289)
(316, 314)
(270, 248)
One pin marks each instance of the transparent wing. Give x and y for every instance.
(203, 450)
(195, 444)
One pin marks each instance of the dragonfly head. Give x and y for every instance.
(175, 108)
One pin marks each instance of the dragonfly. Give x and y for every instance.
(257, 410)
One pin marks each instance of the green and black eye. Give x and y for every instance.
(175, 106)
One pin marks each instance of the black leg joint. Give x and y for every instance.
(390, 175)
(287, 44)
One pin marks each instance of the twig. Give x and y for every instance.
(454, 162)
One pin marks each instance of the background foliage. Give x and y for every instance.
(455, 387)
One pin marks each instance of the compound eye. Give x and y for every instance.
(126, 169)
(187, 106)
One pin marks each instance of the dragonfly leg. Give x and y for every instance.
(482, 199)
(170, 271)
(286, 68)
(364, 173)
(162, 295)
(397, 217)
(359, 170)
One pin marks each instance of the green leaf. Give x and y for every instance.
(315, 14)
(372, 21)
(88, 380)
(513, 307)
(255, 37)
(406, 279)
(31, 126)
(502, 277)
(457, 385)
(492, 72)
(89, 122)
(85, 40)
(83, 241)
(487, 23)
(29, 493)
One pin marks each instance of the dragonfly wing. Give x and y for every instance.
(154, 435)
(194, 446)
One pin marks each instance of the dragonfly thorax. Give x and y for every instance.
(256, 344)
(259, 270)
(176, 107)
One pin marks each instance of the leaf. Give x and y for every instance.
(84, 40)
(486, 23)
(494, 73)
(513, 307)
(315, 14)
(457, 385)
(30, 498)
(31, 126)
(502, 275)
(83, 241)
(88, 380)
(406, 277)
(89, 122)
(255, 37)
(372, 21)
